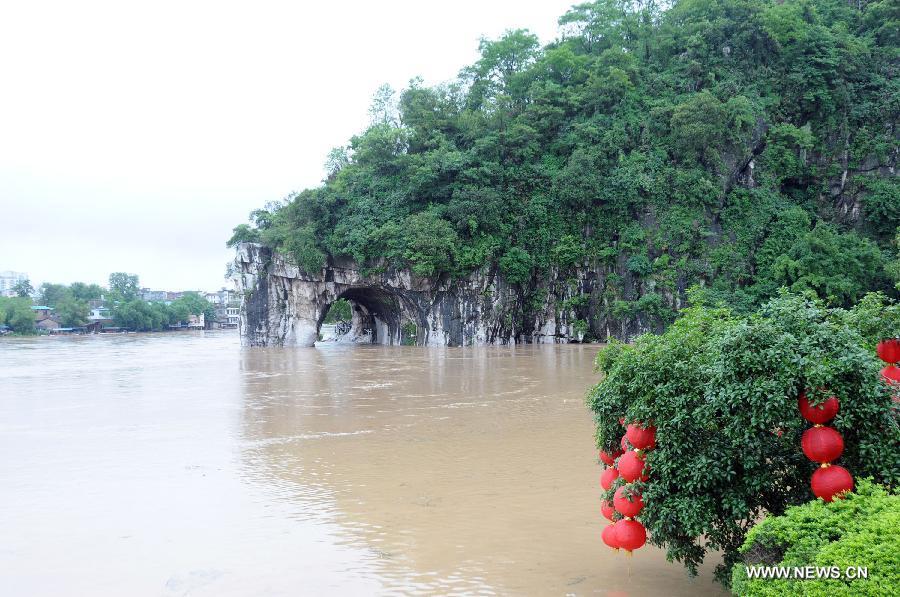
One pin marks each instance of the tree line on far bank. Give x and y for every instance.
(72, 305)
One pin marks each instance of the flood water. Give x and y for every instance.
(181, 464)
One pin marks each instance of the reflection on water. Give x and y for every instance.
(183, 465)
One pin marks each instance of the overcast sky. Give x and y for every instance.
(134, 136)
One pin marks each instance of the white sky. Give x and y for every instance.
(135, 135)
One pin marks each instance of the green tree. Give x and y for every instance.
(722, 392)
(429, 244)
(23, 288)
(340, 310)
(123, 287)
(86, 292)
(838, 267)
(192, 303)
(16, 313)
(134, 315)
(72, 312)
(52, 294)
(516, 265)
(500, 68)
(243, 233)
(892, 268)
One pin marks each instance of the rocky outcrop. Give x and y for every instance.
(284, 306)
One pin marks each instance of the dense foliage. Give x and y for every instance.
(741, 144)
(145, 316)
(340, 311)
(16, 313)
(860, 530)
(70, 303)
(23, 288)
(722, 391)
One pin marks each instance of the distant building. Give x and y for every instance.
(47, 324)
(226, 307)
(233, 316)
(8, 280)
(197, 322)
(44, 319)
(153, 296)
(98, 320)
(222, 297)
(42, 312)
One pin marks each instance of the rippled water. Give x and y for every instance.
(180, 464)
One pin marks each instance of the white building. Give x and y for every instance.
(222, 297)
(9, 279)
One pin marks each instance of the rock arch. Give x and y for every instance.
(379, 316)
(284, 306)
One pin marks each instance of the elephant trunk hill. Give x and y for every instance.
(580, 190)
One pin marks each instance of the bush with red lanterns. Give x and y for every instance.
(747, 409)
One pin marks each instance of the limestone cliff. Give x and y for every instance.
(284, 306)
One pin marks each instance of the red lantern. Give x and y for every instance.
(630, 534)
(891, 374)
(607, 510)
(623, 444)
(625, 506)
(631, 466)
(609, 459)
(822, 444)
(889, 350)
(829, 482)
(639, 437)
(609, 475)
(610, 536)
(818, 414)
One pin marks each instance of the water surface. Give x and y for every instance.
(180, 464)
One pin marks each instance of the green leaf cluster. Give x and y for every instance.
(16, 313)
(858, 531)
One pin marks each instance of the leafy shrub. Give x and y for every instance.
(340, 310)
(515, 265)
(430, 244)
(568, 251)
(243, 233)
(17, 314)
(640, 265)
(860, 530)
(301, 248)
(722, 391)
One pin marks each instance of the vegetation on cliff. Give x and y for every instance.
(738, 144)
(722, 391)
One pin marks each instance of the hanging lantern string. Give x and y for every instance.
(824, 444)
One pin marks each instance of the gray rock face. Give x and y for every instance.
(284, 306)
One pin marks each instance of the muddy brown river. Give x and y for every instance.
(181, 464)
